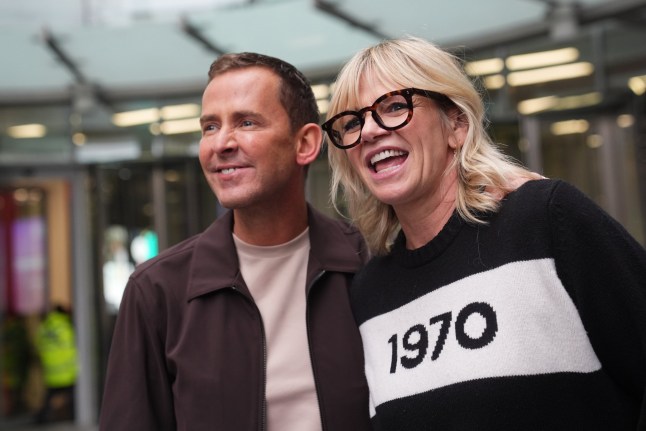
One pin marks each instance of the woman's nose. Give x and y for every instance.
(371, 128)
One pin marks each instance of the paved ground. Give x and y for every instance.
(29, 425)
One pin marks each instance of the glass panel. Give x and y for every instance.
(145, 209)
(25, 237)
(506, 136)
(126, 210)
(178, 202)
(23, 294)
(628, 171)
(597, 153)
(208, 207)
(573, 157)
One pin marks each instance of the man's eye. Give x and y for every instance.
(246, 123)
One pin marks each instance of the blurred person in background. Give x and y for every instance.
(117, 267)
(497, 299)
(248, 325)
(15, 358)
(56, 345)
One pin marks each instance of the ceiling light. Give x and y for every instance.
(323, 106)
(542, 59)
(569, 127)
(134, 118)
(79, 139)
(172, 176)
(175, 112)
(174, 127)
(21, 195)
(154, 129)
(547, 74)
(321, 91)
(594, 141)
(484, 67)
(110, 150)
(532, 106)
(24, 131)
(579, 101)
(638, 84)
(554, 103)
(625, 120)
(494, 82)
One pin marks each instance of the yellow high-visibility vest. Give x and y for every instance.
(57, 348)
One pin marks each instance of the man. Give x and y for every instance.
(56, 345)
(246, 326)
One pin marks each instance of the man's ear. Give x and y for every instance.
(308, 145)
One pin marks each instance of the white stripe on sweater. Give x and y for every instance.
(539, 331)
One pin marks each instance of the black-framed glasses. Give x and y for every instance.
(391, 111)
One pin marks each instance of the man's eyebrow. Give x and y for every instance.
(246, 113)
(206, 118)
(235, 115)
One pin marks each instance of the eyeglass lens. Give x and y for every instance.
(390, 113)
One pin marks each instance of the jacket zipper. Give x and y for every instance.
(309, 343)
(263, 388)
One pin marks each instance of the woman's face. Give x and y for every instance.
(405, 168)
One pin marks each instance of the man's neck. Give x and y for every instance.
(270, 226)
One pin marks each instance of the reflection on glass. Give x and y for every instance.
(117, 267)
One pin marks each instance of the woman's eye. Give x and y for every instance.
(396, 106)
(352, 125)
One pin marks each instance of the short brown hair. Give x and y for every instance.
(296, 93)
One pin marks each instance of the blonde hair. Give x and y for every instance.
(484, 173)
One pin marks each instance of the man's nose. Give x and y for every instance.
(224, 142)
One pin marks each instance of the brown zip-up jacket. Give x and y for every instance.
(188, 351)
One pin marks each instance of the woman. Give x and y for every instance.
(496, 299)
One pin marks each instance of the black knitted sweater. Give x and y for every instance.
(534, 321)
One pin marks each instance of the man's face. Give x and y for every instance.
(247, 150)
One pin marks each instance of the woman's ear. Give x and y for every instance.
(459, 128)
(309, 143)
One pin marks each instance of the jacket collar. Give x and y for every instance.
(215, 265)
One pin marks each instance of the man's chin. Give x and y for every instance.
(234, 203)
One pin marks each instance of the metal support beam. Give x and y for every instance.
(83, 83)
(626, 10)
(54, 46)
(330, 9)
(611, 164)
(85, 321)
(531, 135)
(195, 33)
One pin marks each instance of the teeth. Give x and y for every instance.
(384, 155)
(228, 170)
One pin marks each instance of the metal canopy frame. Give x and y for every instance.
(318, 36)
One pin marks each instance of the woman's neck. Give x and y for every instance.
(423, 221)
